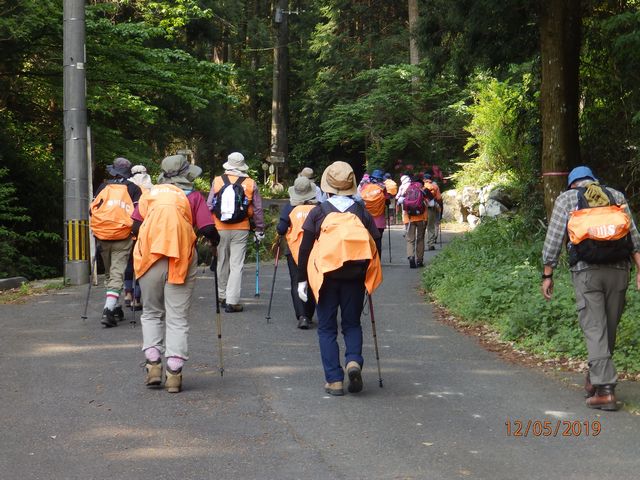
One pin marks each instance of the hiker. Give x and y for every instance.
(602, 241)
(434, 209)
(140, 177)
(412, 199)
(308, 173)
(236, 204)
(366, 178)
(111, 224)
(392, 190)
(165, 262)
(375, 198)
(405, 180)
(302, 198)
(339, 265)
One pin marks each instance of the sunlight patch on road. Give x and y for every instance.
(50, 349)
(492, 372)
(559, 414)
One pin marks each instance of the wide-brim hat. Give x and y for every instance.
(339, 179)
(121, 167)
(235, 161)
(178, 171)
(377, 174)
(579, 173)
(303, 190)
(306, 172)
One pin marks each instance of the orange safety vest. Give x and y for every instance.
(167, 231)
(374, 198)
(343, 238)
(294, 234)
(248, 184)
(392, 187)
(111, 213)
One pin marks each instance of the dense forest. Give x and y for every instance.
(489, 91)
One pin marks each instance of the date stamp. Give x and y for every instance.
(552, 428)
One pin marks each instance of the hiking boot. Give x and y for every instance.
(154, 373)
(589, 389)
(334, 388)
(419, 264)
(127, 299)
(118, 313)
(223, 303)
(603, 399)
(137, 305)
(231, 308)
(173, 382)
(303, 322)
(412, 262)
(355, 377)
(109, 319)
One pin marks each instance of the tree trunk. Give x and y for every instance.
(279, 104)
(414, 54)
(559, 94)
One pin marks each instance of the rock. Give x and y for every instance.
(470, 200)
(492, 208)
(452, 207)
(473, 220)
(502, 196)
(13, 282)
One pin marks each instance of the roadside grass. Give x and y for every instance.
(29, 289)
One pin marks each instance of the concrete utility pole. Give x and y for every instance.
(76, 184)
(279, 104)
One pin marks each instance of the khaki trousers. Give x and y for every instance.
(166, 307)
(115, 255)
(432, 225)
(415, 240)
(600, 299)
(231, 252)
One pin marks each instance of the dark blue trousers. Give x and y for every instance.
(348, 295)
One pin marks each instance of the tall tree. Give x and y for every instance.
(414, 53)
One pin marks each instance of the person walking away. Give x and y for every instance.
(236, 203)
(140, 177)
(392, 191)
(302, 199)
(603, 239)
(338, 260)
(434, 209)
(111, 222)
(308, 173)
(414, 216)
(375, 197)
(165, 262)
(405, 181)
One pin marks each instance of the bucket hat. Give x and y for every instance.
(579, 173)
(178, 171)
(306, 172)
(235, 161)
(377, 174)
(121, 167)
(303, 190)
(339, 179)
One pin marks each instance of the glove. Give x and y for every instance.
(302, 291)
(259, 237)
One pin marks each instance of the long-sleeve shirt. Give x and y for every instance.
(564, 205)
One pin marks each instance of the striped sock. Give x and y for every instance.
(112, 300)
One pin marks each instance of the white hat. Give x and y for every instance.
(235, 161)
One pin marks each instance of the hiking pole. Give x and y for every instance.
(375, 338)
(257, 243)
(133, 302)
(214, 268)
(389, 230)
(86, 302)
(273, 282)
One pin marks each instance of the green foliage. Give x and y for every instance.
(491, 275)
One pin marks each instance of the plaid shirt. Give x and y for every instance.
(566, 203)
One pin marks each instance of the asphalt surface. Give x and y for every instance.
(73, 404)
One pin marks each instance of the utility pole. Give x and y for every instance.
(76, 169)
(279, 103)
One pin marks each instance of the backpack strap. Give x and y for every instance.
(239, 180)
(225, 180)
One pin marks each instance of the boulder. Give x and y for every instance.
(492, 208)
(452, 207)
(470, 200)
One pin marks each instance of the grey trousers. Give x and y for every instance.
(415, 240)
(433, 221)
(600, 299)
(231, 252)
(166, 306)
(115, 255)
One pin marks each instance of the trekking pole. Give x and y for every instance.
(257, 243)
(273, 282)
(86, 302)
(214, 268)
(133, 302)
(389, 230)
(375, 338)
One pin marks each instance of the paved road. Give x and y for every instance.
(73, 405)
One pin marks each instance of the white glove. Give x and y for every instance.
(259, 237)
(302, 291)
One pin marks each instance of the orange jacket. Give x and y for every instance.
(167, 231)
(374, 198)
(248, 184)
(294, 234)
(111, 213)
(434, 189)
(342, 238)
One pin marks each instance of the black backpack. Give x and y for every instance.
(241, 202)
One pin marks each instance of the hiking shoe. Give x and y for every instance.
(127, 299)
(109, 319)
(334, 388)
(173, 382)
(154, 373)
(304, 323)
(412, 262)
(603, 399)
(355, 377)
(230, 308)
(118, 313)
(419, 264)
(137, 305)
(223, 303)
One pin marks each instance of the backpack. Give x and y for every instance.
(413, 202)
(231, 192)
(374, 199)
(392, 187)
(599, 234)
(111, 213)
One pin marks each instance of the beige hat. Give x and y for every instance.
(235, 161)
(178, 171)
(306, 172)
(339, 179)
(303, 190)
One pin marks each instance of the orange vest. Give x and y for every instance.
(391, 186)
(294, 235)
(167, 231)
(248, 184)
(111, 213)
(599, 223)
(342, 238)
(434, 189)
(374, 198)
